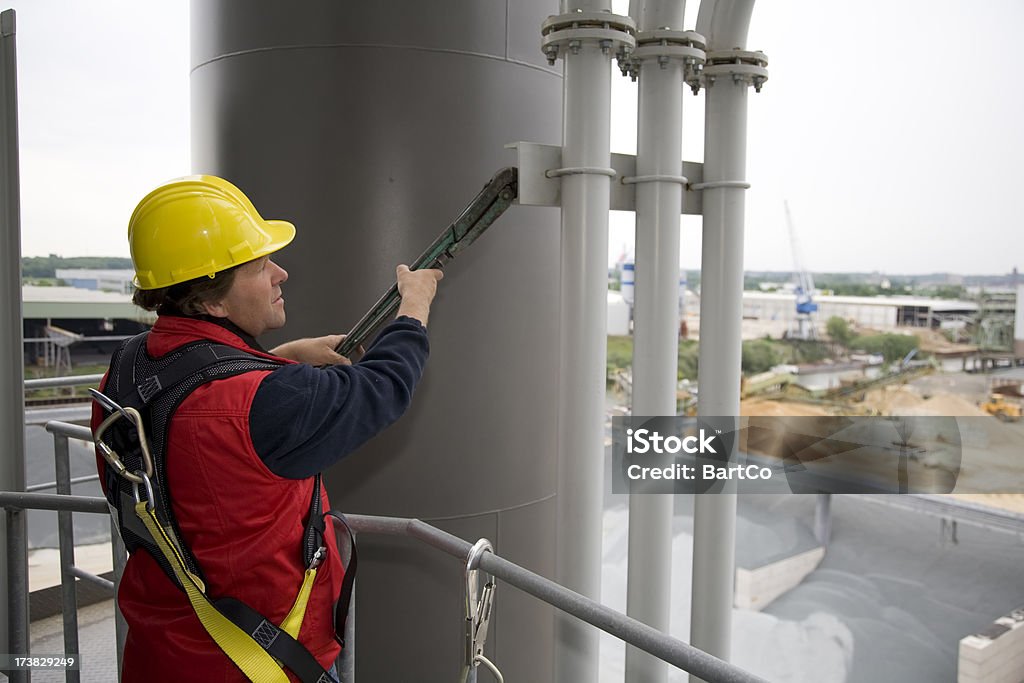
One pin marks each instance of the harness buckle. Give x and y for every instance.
(318, 557)
(148, 388)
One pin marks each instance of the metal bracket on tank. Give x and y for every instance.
(539, 184)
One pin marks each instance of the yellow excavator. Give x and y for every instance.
(998, 406)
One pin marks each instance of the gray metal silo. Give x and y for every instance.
(370, 126)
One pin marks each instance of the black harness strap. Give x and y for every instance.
(274, 640)
(348, 581)
(194, 363)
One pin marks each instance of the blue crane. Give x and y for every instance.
(805, 306)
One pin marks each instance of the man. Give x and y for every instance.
(242, 454)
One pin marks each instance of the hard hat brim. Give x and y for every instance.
(281, 234)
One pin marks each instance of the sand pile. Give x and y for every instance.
(765, 408)
(950, 404)
(893, 400)
(902, 400)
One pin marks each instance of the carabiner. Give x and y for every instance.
(143, 479)
(108, 453)
(479, 604)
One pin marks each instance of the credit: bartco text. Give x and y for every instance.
(689, 472)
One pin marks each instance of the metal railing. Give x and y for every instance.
(67, 381)
(672, 650)
(15, 504)
(669, 649)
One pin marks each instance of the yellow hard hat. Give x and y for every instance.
(195, 226)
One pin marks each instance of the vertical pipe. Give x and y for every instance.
(656, 325)
(586, 140)
(12, 373)
(66, 543)
(721, 307)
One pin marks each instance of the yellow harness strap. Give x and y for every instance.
(245, 652)
(293, 622)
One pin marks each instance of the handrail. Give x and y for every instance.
(53, 484)
(65, 381)
(676, 652)
(69, 430)
(18, 500)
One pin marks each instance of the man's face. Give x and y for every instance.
(254, 302)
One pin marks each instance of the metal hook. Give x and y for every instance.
(111, 456)
(144, 479)
(106, 401)
(479, 604)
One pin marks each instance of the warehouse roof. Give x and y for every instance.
(917, 301)
(71, 302)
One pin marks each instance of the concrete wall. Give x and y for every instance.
(996, 655)
(757, 587)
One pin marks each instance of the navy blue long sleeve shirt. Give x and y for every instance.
(303, 419)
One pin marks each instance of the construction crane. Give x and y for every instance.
(805, 306)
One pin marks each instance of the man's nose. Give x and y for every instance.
(281, 275)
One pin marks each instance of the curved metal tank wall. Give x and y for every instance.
(371, 126)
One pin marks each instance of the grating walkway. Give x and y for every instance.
(95, 640)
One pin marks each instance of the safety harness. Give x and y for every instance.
(139, 398)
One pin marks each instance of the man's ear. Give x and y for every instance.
(216, 308)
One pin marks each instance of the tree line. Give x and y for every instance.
(46, 266)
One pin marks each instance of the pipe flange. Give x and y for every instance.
(691, 38)
(741, 66)
(665, 46)
(664, 52)
(743, 56)
(568, 32)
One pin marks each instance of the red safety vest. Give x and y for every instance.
(243, 523)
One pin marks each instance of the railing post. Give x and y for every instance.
(347, 665)
(17, 589)
(120, 554)
(66, 539)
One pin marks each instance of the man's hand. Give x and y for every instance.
(314, 350)
(417, 288)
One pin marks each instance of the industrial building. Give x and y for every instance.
(873, 312)
(109, 280)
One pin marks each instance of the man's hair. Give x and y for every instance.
(186, 298)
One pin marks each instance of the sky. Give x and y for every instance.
(892, 128)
